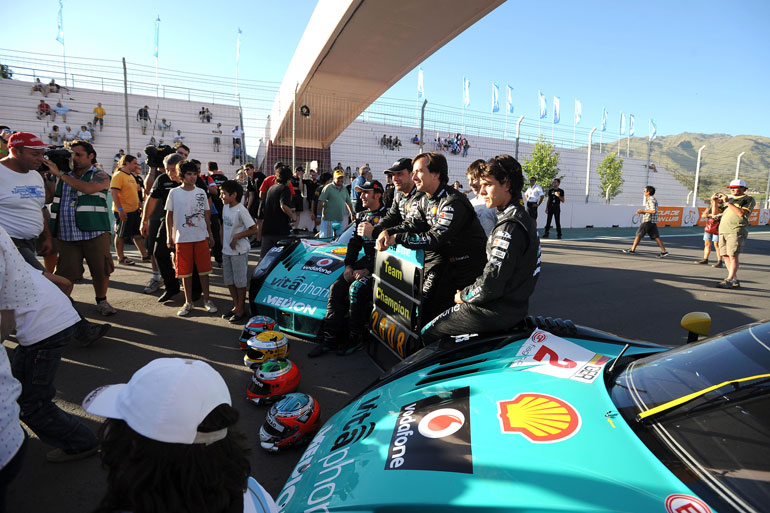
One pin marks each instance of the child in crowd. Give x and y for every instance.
(188, 230)
(235, 247)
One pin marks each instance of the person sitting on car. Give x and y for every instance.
(351, 294)
(499, 298)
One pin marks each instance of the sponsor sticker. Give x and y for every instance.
(322, 264)
(500, 243)
(540, 418)
(503, 234)
(560, 358)
(681, 503)
(433, 434)
(340, 251)
(498, 253)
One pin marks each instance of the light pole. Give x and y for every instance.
(588, 163)
(518, 127)
(738, 164)
(697, 177)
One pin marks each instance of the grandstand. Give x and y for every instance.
(19, 109)
(359, 144)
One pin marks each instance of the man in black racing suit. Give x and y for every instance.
(499, 298)
(444, 225)
(350, 297)
(405, 198)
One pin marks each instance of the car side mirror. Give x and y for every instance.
(696, 323)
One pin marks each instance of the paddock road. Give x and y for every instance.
(585, 277)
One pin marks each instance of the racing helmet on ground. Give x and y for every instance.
(254, 327)
(266, 345)
(292, 420)
(272, 380)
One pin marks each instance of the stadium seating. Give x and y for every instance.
(18, 108)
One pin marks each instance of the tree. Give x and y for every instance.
(610, 172)
(543, 164)
(5, 71)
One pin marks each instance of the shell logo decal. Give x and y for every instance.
(540, 418)
(340, 251)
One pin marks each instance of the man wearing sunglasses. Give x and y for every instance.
(733, 232)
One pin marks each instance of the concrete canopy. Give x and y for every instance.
(352, 51)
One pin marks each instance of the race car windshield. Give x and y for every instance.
(704, 410)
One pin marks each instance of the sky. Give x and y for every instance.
(691, 66)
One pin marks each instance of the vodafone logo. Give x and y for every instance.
(441, 423)
(680, 503)
(325, 262)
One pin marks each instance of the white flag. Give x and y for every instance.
(495, 95)
(556, 110)
(420, 87)
(466, 92)
(543, 108)
(604, 119)
(578, 111)
(652, 129)
(622, 123)
(509, 101)
(630, 125)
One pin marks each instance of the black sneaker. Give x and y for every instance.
(168, 295)
(718, 264)
(91, 334)
(663, 255)
(344, 351)
(629, 251)
(725, 284)
(318, 350)
(702, 262)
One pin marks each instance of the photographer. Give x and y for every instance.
(733, 231)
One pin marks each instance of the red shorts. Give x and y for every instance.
(189, 253)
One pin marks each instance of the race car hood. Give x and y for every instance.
(516, 429)
(300, 281)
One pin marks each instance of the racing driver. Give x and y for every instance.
(406, 196)
(351, 295)
(499, 298)
(444, 224)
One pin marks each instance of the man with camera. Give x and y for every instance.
(736, 209)
(81, 223)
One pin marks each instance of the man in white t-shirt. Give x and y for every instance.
(84, 134)
(237, 136)
(238, 226)
(188, 231)
(44, 327)
(22, 196)
(534, 197)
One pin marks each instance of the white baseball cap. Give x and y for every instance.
(165, 400)
(737, 183)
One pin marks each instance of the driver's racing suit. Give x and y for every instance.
(499, 298)
(352, 301)
(446, 227)
(398, 212)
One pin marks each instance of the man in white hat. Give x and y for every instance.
(733, 228)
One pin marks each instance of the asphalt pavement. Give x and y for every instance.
(585, 278)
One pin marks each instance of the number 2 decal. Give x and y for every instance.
(553, 358)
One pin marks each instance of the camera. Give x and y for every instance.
(721, 196)
(59, 156)
(156, 154)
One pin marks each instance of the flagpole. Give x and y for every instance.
(463, 118)
(505, 133)
(553, 128)
(64, 59)
(601, 136)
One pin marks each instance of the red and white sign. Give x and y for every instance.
(680, 503)
(559, 358)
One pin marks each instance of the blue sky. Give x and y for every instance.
(691, 66)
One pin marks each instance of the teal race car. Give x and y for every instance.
(291, 283)
(552, 417)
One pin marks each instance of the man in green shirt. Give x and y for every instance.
(733, 231)
(334, 200)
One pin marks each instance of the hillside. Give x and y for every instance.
(679, 154)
